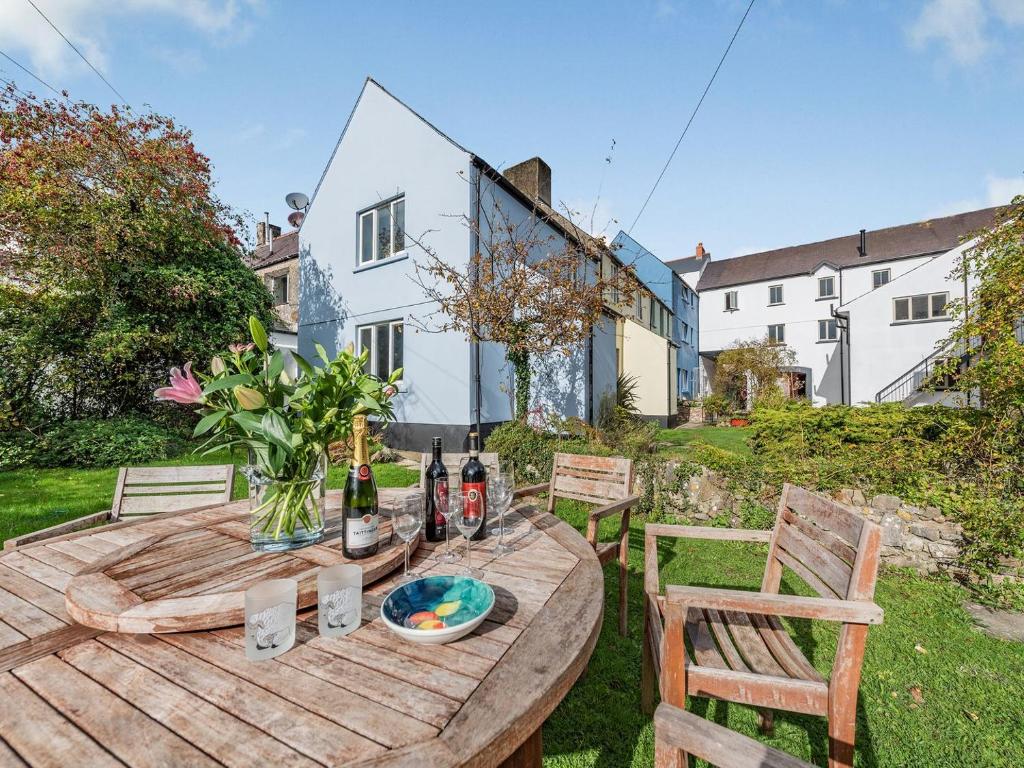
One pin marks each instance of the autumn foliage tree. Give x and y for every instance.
(116, 259)
(534, 286)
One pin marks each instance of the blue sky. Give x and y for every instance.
(828, 116)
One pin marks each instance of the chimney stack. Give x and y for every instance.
(532, 178)
(261, 233)
(699, 252)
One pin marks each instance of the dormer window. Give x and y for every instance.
(826, 287)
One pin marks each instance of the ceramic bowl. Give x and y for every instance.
(437, 609)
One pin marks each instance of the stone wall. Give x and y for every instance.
(912, 536)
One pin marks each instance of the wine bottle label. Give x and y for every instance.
(361, 531)
(476, 499)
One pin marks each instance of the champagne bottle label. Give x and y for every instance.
(362, 531)
(476, 499)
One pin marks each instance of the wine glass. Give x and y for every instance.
(443, 498)
(467, 525)
(407, 522)
(499, 493)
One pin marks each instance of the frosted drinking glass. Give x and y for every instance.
(270, 618)
(339, 599)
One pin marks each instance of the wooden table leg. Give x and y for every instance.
(529, 754)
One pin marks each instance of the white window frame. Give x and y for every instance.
(779, 330)
(372, 367)
(875, 285)
(932, 315)
(782, 295)
(734, 305)
(825, 325)
(373, 213)
(831, 294)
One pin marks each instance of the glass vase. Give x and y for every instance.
(286, 512)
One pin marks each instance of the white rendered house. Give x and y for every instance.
(864, 314)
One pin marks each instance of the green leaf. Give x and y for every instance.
(259, 333)
(227, 382)
(248, 421)
(276, 365)
(396, 375)
(303, 364)
(322, 353)
(276, 430)
(208, 422)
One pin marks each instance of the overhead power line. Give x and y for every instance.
(80, 54)
(692, 116)
(30, 73)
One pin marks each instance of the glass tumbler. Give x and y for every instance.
(339, 592)
(270, 618)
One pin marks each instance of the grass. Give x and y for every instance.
(31, 499)
(970, 686)
(675, 442)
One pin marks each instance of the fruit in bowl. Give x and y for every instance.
(437, 609)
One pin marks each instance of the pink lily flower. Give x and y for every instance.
(237, 349)
(184, 388)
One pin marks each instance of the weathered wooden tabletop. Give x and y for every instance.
(74, 695)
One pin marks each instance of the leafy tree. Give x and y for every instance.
(751, 368)
(117, 259)
(526, 287)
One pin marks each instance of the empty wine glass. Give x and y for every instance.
(445, 491)
(407, 523)
(499, 495)
(467, 525)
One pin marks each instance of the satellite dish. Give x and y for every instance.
(297, 201)
(295, 218)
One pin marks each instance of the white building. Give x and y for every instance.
(864, 314)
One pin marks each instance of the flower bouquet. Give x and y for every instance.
(249, 400)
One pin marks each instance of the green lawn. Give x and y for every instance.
(971, 686)
(675, 441)
(31, 499)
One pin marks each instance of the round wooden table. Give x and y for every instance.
(71, 694)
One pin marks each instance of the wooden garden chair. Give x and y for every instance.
(676, 730)
(142, 491)
(605, 481)
(741, 652)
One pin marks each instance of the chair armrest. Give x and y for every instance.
(847, 611)
(706, 532)
(69, 526)
(530, 490)
(616, 506)
(715, 743)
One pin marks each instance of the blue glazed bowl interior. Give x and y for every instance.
(437, 602)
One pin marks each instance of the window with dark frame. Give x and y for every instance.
(385, 341)
(774, 294)
(919, 308)
(777, 333)
(382, 231)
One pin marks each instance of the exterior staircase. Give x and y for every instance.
(917, 378)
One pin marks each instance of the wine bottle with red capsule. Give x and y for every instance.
(474, 487)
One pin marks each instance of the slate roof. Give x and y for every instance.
(689, 264)
(921, 238)
(283, 248)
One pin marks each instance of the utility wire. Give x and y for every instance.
(29, 72)
(692, 116)
(80, 54)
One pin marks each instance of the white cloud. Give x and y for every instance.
(184, 61)
(26, 35)
(965, 29)
(999, 190)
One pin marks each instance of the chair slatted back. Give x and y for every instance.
(453, 463)
(142, 491)
(593, 479)
(832, 548)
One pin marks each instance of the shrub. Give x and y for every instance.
(90, 443)
(531, 452)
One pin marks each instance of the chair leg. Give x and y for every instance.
(623, 590)
(668, 756)
(648, 674)
(842, 725)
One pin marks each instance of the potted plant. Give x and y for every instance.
(715, 406)
(739, 421)
(249, 400)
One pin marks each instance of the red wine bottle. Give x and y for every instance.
(474, 487)
(435, 475)
(359, 502)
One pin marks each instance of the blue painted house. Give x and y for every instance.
(674, 292)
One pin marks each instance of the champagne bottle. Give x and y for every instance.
(435, 475)
(359, 506)
(474, 487)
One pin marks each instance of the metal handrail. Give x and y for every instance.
(903, 386)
